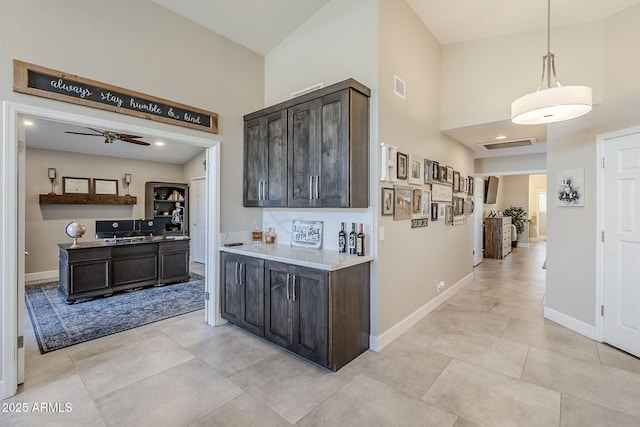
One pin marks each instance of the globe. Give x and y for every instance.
(75, 230)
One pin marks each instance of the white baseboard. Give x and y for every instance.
(41, 275)
(377, 343)
(569, 322)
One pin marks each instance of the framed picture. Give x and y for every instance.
(435, 171)
(449, 175)
(426, 203)
(442, 210)
(443, 174)
(441, 193)
(306, 234)
(416, 168)
(71, 185)
(403, 202)
(387, 201)
(458, 205)
(456, 181)
(434, 211)
(448, 219)
(402, 166)
(570, 188)
(417, 201)
(469, 206)
(471, 186)
(428, 171)
(105, 186)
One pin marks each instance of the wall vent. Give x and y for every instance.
(509, 143)
(307, 90)
(399, 87)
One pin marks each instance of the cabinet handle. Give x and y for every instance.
(288, 277)
(317, 186)
(310, 187)
(237, 273)
(260, 190)
(265, 195)
(294, 287)
(241, 274)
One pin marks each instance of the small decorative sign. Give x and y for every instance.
(306, 234)
(53, 84)
(459, 219)
(419, 222)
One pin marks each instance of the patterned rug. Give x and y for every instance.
(57, 324)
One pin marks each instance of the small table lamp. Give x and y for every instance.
(52, 177)
(127, 180)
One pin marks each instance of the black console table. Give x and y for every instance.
(95, 269)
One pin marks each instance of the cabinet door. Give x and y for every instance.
(278, 303)
(265, 157)
(252, 289)
(310, 298)
(231, 301)
(302, 170)
(332, 151)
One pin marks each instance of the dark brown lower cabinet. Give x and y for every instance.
(243, 292)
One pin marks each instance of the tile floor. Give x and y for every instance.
(485, 358)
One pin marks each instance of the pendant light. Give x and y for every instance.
(552, 102)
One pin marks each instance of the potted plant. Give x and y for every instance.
(518, 218)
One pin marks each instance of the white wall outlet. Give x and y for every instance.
(440, 286)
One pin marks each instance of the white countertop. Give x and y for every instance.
(321, 259)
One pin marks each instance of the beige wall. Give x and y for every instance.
(143, 47)
(45, 224)
(412, 261)
(537, 183)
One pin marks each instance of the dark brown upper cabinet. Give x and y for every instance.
(311, 151)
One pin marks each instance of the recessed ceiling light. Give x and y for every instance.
(501, 137)
(160, 143)
(28, 123)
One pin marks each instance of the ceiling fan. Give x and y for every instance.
(110, 136)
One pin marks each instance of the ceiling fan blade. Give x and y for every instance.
(80, 133)
(134, 141)
(126, 135)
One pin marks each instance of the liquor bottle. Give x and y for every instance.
(360, 242)
(352, 239)
(342, 240)
(270, 236)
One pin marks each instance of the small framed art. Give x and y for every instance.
(456, 181)
(72, 185)
(434, 211)
(416, 167)
(449, 177)
(401, 168)
(105, 186)
(403, 197)
(387, 201)
(417, 201)
(435, 171)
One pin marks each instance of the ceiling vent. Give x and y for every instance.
(509, 143)
(306, 90)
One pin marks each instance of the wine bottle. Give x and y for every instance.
(342, 240)
(360, 242)
(352, 239)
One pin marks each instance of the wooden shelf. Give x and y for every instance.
(86, 199)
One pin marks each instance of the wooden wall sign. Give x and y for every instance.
(48, 83)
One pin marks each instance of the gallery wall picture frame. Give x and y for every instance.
(458, 205)
(387, 201)
(417, 201)
(403, 199)
(428, 171)
(456, 181)
(426, 203)
(442, 210)
(448, 218)
(441, 193)
(105, 186)
(449, 175)
(443, 174)
(471, 186)
(434, 211)
(469, 206)
(73, 185)
(415, 170)
(401, 166)
(435, 171)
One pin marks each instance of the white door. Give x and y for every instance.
(198, 198)
(478, 219)
(621, 323)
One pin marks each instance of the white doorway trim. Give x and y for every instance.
(9, 234)
(601, 140)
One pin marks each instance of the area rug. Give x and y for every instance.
(57, 324)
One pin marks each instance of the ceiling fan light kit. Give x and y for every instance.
(552, 102)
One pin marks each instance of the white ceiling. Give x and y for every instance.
(261, 25)
(50, 135)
